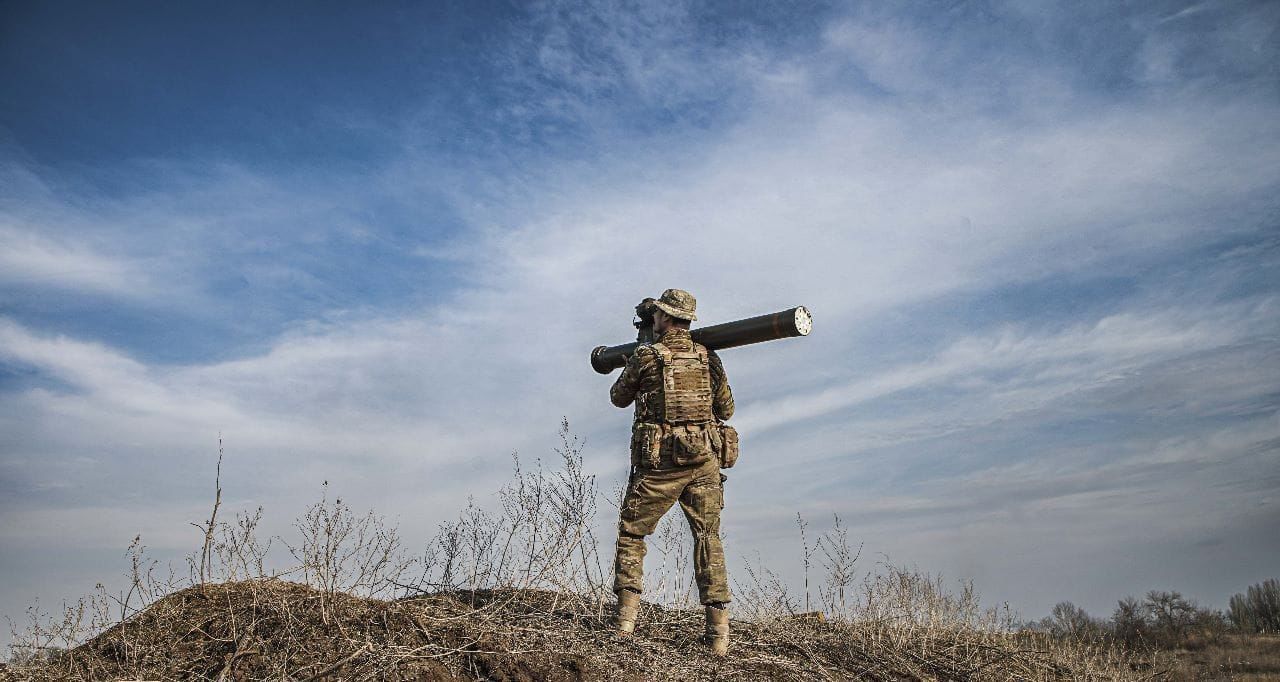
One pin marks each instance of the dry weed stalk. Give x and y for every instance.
(210, 527)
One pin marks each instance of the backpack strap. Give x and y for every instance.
(664, 365)
(702, 355)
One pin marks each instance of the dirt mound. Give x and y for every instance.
(272, 629)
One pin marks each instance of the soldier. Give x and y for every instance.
(681, 395)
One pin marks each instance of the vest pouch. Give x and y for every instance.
(691, 444)
(646, 445)
(729, 446)
(717, 439)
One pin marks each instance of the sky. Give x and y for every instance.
(374, 246)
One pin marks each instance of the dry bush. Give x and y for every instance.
(50, 636)
(542, 538)
(342, 553)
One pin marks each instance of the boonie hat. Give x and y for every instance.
(678, 303)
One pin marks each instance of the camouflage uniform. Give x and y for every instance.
(652, 489)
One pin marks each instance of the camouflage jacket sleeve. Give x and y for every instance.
(624, 390)
(721, 394)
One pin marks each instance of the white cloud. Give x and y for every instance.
(29, 258)
(1043, 367)
(859, 206)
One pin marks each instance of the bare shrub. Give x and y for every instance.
(45, 637)
(762, 594)
(543, 537)
(339, 551)
(53, 637)
(839, 559)
(239, 552)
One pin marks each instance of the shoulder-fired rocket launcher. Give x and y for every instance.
(780, 325)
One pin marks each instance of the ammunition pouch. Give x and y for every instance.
(646, 445)
(728, 451)
(693, 443)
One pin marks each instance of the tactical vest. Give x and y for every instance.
(685, 395)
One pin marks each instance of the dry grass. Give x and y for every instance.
(519, 594)
(278, 630)
(1243, 658)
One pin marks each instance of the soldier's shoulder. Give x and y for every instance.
(645, 352)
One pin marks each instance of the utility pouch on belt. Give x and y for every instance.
(691, 444)
(646, 445)
(728, 446)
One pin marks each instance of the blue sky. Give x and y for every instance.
(374, 246)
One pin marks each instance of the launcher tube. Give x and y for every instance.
(780, 325)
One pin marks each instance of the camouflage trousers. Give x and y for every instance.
(651, 493)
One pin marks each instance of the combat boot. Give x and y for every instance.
(718, 630)
(628, 608)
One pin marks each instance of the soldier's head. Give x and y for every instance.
(674, 309)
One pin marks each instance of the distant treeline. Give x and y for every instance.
(1163, 619)
(1258, 609)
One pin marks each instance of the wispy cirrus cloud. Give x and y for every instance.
(30, 259)
(1025, 371)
